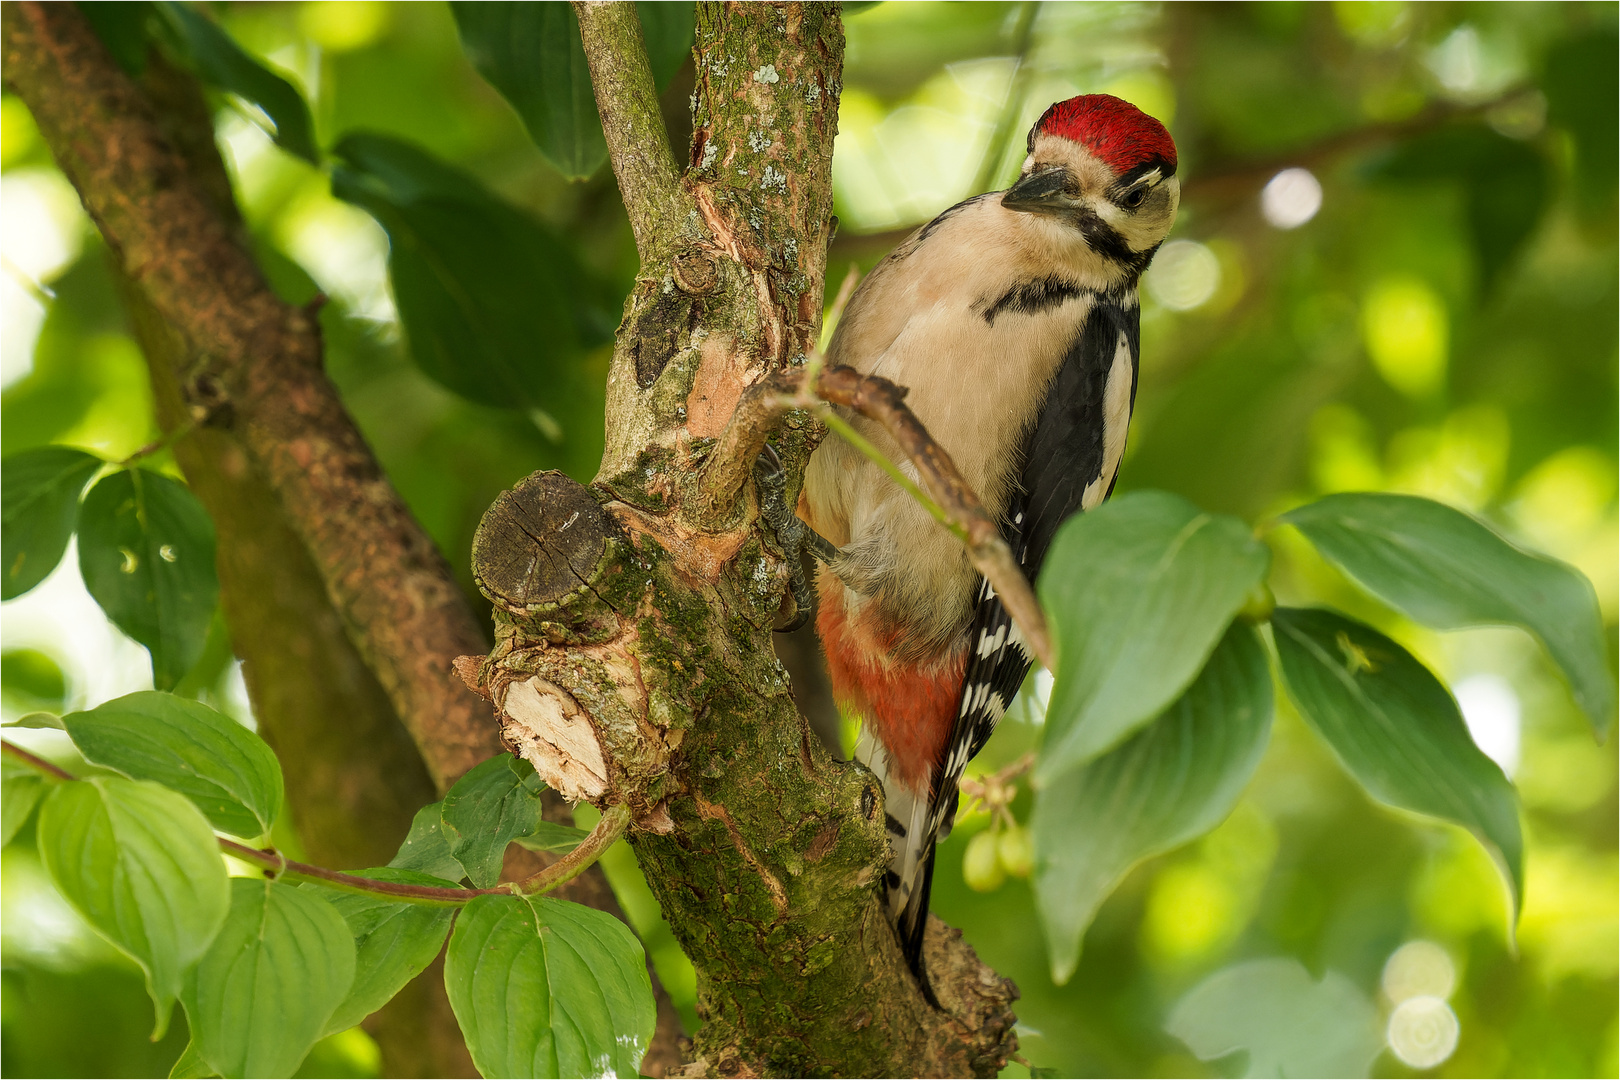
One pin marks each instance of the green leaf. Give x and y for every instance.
(122, 28)
(1139, 591)
(545, 987)
(393, 942)
(146, 551)
(495, 306)
(222, 63)
(1289, 1024)
(552, 838)
(191, 1065)
(1397, 730)
(425, 848)
(38, 720)
(667, 29)
(224, 768)
(39, 498)
(1446, 570)
(1174, 780)
(20, 791)
(262, 995)
(495, 803)
(531, 52)
(142, 866)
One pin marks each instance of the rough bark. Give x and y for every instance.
(634, 661)
(317, 555)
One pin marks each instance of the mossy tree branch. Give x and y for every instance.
(634, 661)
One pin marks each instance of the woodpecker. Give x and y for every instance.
(1013, 319)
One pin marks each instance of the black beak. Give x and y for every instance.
(1041, 193)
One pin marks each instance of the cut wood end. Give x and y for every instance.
(552, 733)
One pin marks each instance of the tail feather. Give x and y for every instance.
(911, 843)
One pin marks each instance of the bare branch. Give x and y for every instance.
(627, 101)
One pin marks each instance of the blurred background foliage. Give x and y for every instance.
(1394, 269)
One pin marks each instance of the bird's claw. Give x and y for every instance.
(792, 534)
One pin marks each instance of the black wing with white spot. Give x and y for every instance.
(1064, 455)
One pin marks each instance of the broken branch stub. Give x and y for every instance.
(541, 543)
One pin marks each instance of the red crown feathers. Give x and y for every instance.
(1117, 132)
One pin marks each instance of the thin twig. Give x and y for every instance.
(627, 101)
(996, 149)
(835, 314)
(276, 865)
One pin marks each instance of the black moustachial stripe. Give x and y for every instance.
(1108, 242)
(1029, 298)
(1062, 454)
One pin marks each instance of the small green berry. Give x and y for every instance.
(981, 865)
(1016, 851)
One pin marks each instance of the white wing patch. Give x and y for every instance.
(1116, 421)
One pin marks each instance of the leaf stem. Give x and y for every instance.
(278, 866)
(881, 460)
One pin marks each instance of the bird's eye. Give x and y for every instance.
(1134, 198)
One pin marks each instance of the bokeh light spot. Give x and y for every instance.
(1423, 1031)
(1291, 198)
(1491, 710)
(1184, 275)
(1418, 969)
(342, 25)
(1406, 331)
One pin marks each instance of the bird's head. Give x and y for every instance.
(1102, 166)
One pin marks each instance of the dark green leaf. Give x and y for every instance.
(1446, 570)
(1397, 730)
(146, 551)
(1139, 591)
(495, 307)
(1290, 1024)
(544, 987)
(552, 838)
(221, 62)
(1174, 780)
(20, 790)
(393, 942)
(262, 994)
(142, 866)
(425, 848)
(494, 804)
(39, 498)
(532, 54)
(1505, 185)
(667, 29)
(122, 28)
(224, 768)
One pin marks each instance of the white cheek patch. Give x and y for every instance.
(1116, 421)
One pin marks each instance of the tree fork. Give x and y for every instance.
(634, 662)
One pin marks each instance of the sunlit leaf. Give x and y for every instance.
(262, 994)
(223, 63)
(393, 942)
(426, 850)
(494, 305)
(1172, 781)
(1444, 569)
(142, 866)
(224, 768)
(1397, 730)
(1290, 1024)
(21, 788)
(494, 804)
(39, 499)
(1139, 591)
(146, 552)
(545, 987)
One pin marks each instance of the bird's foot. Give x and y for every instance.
(792, 533)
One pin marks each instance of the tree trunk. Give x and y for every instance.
(634, 662)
